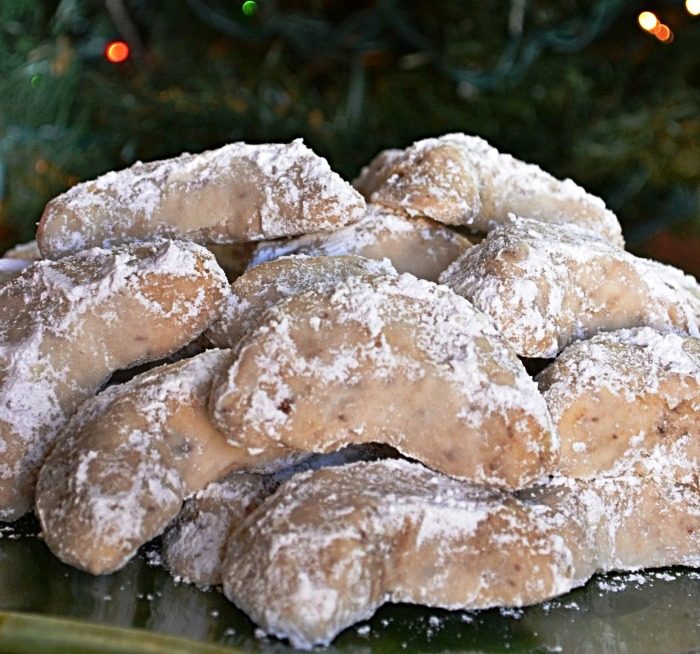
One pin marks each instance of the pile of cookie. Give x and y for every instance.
(322, 397)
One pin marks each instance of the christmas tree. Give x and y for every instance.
(588, 90)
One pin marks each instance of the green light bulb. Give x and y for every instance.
(249, 7)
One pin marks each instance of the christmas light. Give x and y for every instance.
(663, 33)
(249, 7)
(693, 7)
(647, 20)
(35, 81)
(116, 52)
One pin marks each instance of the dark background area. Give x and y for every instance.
(577, 87)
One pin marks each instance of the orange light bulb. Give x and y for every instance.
(662, 32)
(116, 52)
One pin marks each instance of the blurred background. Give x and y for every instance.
(604, 91)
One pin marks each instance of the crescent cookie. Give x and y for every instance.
(331, 546)
(195, 543)
(415, 245)
(545, 286)
(66, 326)
(462, 180)
(394, 360)
(375, 172)
(240, 192)
(27, 251)
(128, 459)
(682, 283)
(633, 522)
(193, 546)
(265, 285)
(619, 397)
(16, 259)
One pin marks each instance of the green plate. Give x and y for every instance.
(46, 606)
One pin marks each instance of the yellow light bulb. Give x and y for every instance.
(693, 7)
(648, 21)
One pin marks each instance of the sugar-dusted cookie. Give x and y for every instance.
(195, 544)
(27, 251)
(415, 245)
(333, 545)
(619, 396)
(129, 457)
(682, 283)
(16, 259)
(66, 326)
(389, 359)
(545, 286)
(462, 180)
(634, 521)
(265, 285)
(376, 171)
(240, 192)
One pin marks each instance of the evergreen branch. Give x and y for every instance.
(126, 28)
(222, 23)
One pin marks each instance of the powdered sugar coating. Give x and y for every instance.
(195, 544)
(239, 192)
(416, 245)
(128, 458)
(547, 285)
(16, 259)
(462, 180)
(66, 326)
(332, 545)
(631, 522)
(263, 286)
(389, 359)
(625, 401)
(28, 251)
(376, 170)
(630, 363)
(682, 283)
